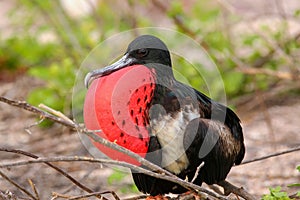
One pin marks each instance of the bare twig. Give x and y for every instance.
(27, 129)
(71, 187)
(57, 113)
(163, 174)
(59, 117)
(178, 21)
(17, 185)
(32, 185)
(24, 105)
(65, 174)
(229, 188)
(197, 172)
(271, 155)
(136, 197)
(175, 179)
(269, 72)
(121, 149)
(94, 194)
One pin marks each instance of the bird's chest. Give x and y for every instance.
(117, 105)
(169, 130)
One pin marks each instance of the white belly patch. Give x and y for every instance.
(170, 132)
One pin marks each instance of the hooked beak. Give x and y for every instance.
(123, 62)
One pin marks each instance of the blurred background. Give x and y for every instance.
(255, 45)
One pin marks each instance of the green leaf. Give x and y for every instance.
(297, 13)
(233, 82)
(294, 185)
(46, 96)
(276, 192)
(176, 8)
(39, 72)
(249, 40)
(116, 176)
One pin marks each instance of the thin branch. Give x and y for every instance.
(57, 113)
(197, 172)
(176, 19)
(32, 185)
(71, 124)
(271, 155)
(18, 186)
(61, 171)
(164, 174)
(188, 185)
(269, 72)
(71, 187)
(24, 105)
(95, 194)
(121, 149)
(27, 129)
(229, 188)
(136, 197)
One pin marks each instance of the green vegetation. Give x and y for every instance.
(277, 193)
(117, 177)
(53, 44)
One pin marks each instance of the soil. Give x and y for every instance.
(271, 124)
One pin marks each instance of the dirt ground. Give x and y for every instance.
(270, 123)
(261, 138)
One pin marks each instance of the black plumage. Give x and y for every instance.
(186, 128)
(224, 141)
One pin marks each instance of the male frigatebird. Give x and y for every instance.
(138, 104)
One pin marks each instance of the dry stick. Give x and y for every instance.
(26, 106)
(175, 179)
(17, 185)
(177, 20)
(143, 196)
(95, 194)
(97, 138)
(85, 195)
(228, 188)
(197, 172)
(163, 173)
(71, 187)
(121, 149)
(271, 155)
(112, 145)
(32, 185)
(65, 174)
(74, 125)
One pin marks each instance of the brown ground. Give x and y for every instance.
(270, 124)
(261, 139)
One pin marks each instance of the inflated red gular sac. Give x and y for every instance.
(117, 104)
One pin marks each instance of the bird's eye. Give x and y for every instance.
(142, 52)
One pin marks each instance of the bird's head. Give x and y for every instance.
(143, 50)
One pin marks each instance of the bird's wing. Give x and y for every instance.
(212, 110)
(220, 113)
(212, 143)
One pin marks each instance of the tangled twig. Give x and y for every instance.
(153, 170)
